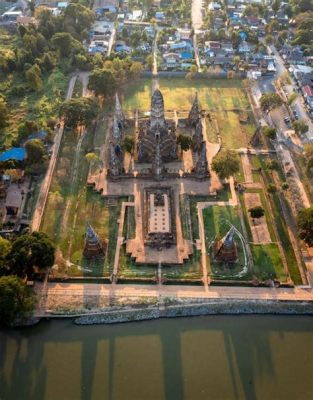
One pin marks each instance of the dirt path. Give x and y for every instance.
(45, 186)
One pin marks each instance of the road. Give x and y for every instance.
(196, 18)
(298, 104)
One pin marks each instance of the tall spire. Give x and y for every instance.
(157, 165)
(197, 137)
(194, 114)
(94, 246)
(201, 169)
(119, 112)
(115, 164)
(116, 131)
(157, 119)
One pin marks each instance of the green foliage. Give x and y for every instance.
(305, 225)
(300, 127)
(184, 141)
(79, 111)
(105, 81)
(273, 164)
(4, 113)
(29, 251)
(17, 301)
(285, 186)
(256, 212)
(35, 151)
(5, 247)
(269, 132)
(128, 144)
(33, 77)
(226, 163)
(271, 188)
(62, 41)
(292, 98)
(269, 101)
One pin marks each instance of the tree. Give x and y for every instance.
(33, 76)
(285, 186)
(300, 127)
(4, 113)
(256, 212)
(271, 188)
(275, 5)
(62, 41)
(269, 101)
(128, 144)
(5, 247)
(35, 151)
(226, 163)
(308, 150)
(29, 251)
(292, 98)
(102, 82)
(273, 164)
(78, 111)
(305, 225)
(17, 301)
(269, 132)
(184, 141)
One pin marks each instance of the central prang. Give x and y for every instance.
(157, 132)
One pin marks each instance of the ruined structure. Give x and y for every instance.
(194, 114)
(157, 129)
(159, 218)
(94, 247)
(201, 170)
(225, 250)
(197, 137)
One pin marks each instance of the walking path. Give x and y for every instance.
(45, 186)
(196, 17)
(82, 292)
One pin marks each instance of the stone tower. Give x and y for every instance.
(94, 247)
(119, 112)
(115, 163)
(194, 114)
(201, 170)
(197, 137)
(155, 130)
(157, 165)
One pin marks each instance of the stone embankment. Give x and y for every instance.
(188, 310)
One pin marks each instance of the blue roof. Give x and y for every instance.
(16, 153)
(181, 45)
(185, 55)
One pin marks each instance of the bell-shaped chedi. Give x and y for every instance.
(94, 247)
(225, 250)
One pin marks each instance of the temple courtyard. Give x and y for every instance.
(162, 214)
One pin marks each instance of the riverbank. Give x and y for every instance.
(189, 310)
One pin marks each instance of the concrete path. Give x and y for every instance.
(65, 291)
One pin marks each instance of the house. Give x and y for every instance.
(183, 34)
(160, 16)
(244, 47)
(214, 6)
(308, 95)
(14, 200)
(213, 45)
(25, 21)
(185, 56)
(227, 47)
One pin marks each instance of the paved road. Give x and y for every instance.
(298, 104)
(196, 17)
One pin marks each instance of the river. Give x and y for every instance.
(209, 358)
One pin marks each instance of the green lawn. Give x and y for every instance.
(267, 262)
(191, 269)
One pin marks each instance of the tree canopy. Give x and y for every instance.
(226, 163)
(79, 111)
(17, 301)
(305, 225)
(269, 101)
(35, 151)
(184, 141)
(29, 251)
(256, 212)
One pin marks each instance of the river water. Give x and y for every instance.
(209, 358)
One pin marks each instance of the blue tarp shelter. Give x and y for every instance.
(16, 153)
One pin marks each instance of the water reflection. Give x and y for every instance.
(223, 357)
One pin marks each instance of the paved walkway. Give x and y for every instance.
(84, 291)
